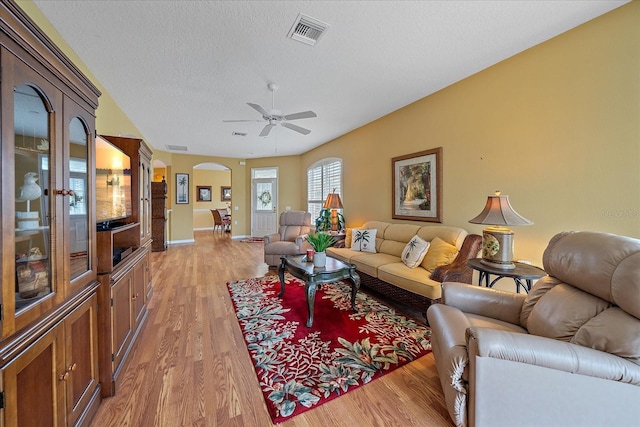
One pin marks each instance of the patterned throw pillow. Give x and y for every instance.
(414, 252)
(363, 240)
(439, 253)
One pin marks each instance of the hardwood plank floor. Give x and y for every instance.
(190, 366)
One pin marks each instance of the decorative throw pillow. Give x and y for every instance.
(414, 252)
(347, 237)
(439, 253)
(363, 240)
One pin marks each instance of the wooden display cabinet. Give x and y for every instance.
(48, 299)
(159, 216)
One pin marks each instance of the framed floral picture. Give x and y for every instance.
(417, 186)
(225, 194)
(203, 193)
(182, 188)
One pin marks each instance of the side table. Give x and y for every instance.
(522, 272)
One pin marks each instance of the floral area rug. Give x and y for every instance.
(300, 368)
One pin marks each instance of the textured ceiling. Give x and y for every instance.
(178, 68)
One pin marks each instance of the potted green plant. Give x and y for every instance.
(323, 222)
(320, 242)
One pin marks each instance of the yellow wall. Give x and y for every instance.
(556, 128)
(184, 218)
(215, 179)
(291, 181)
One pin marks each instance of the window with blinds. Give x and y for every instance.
(322, 178)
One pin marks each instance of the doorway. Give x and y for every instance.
(264, 201)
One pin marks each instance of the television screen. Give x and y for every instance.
(113, 182)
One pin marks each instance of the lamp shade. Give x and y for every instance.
(498, 211)
(333, 202)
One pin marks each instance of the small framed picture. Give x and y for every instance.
(204, 193)
(225, 194)
(182, 188)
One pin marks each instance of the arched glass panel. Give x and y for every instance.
(32, 154)
(78, 230)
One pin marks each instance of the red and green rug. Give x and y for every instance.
(300, 368)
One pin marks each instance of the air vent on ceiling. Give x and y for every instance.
(176, 147)
(307, 29)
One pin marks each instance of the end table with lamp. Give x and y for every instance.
(522, 274)
(497, 239)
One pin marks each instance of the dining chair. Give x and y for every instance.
(219, 221)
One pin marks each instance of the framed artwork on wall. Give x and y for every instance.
(417, 186)
(203, 193)
(182, 188)
(225, 194)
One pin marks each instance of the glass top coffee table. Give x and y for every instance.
(334, 270)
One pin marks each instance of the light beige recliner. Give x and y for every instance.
(568, 353)
(290, 238)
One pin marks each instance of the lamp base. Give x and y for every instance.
(497, 248)
(498, 265)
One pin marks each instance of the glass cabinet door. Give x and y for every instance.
(78, 196)
(33, 272)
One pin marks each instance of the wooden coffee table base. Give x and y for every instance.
(313, 277)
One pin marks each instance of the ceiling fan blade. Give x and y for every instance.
(301, 115)
(267, 129)
(234, 121)
(259, 109)
(296, 128)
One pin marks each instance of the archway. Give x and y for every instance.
(211, 190)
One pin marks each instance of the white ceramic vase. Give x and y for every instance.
(319, 259)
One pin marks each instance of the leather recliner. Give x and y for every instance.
(568, 353)
(290, 238)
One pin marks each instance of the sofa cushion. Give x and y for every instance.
(380, 227)
(369, 263)
(414, 252)
(343, 254)
(452, 235)
(396, 237)
(439, 253)
(364, 239)
(415, 280)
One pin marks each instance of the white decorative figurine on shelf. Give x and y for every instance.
(30, 190)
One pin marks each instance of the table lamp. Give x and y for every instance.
(333, 202)
(497, 240)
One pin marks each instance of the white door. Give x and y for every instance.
(264, 206)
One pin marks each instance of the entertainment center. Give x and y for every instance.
(124, 261)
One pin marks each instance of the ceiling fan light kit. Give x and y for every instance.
(274, 117)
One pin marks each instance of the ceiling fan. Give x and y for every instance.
(274, 117)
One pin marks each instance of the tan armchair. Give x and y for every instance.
(566, 354)
(290, 238)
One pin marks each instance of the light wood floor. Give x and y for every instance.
(190, 366)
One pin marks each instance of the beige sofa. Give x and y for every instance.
(417, 287)
(566, 354)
